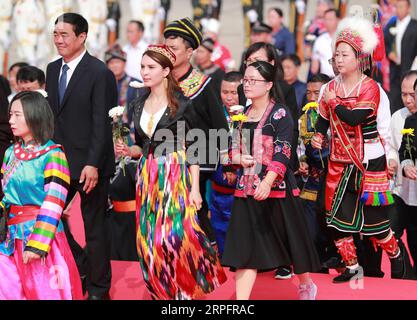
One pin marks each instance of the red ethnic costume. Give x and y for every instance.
(357, 197)
(264, 235)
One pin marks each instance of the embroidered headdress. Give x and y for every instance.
(359, 33)
(164, 50)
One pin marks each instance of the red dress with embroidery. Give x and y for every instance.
(345, 209)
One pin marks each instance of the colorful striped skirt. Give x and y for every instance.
(176, 257)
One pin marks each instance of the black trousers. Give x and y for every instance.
(203, 217)
(406, 219)
(93, 261)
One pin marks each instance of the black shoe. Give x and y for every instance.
(105, 296)
(348, 274)
(398, 267)
(283, 273)
(333, 263)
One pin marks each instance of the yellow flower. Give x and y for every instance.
(240, 117)
(310, 105)
(408, 131)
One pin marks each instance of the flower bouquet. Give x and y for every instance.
(408, 133)
(313, 115)
(120, 131)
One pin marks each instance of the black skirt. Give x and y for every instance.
(267, 234)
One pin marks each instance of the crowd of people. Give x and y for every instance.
(209, 167)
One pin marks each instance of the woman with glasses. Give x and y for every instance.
(261, 51)
(267, 227)
(357, 196)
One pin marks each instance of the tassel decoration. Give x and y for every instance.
(377, 198)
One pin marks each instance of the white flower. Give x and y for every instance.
(136, 84)
(43, 93)
(116, 111)
(236, 108)
(393, 31)
(310, 37)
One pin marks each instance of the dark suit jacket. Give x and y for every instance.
(408, 44)
(82, 123)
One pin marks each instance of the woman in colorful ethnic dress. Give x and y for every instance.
(35, 260)
(176, 257)
(268, 227)
(357, 196)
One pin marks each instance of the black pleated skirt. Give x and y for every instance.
(264, 235)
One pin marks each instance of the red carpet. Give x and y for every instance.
(127, 282)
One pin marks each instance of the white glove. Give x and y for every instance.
(161, 13)
(204, 23)
(5, 43)
(252, 15)
(301, 6)
(111, 24)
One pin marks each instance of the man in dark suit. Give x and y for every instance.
(81, 90)
(401, 49)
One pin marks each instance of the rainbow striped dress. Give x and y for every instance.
(39, 177)
(176, 257)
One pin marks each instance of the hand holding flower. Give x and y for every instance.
(317, 141)
(410, 172)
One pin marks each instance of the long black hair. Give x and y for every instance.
(267, 71)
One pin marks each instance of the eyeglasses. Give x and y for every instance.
(251, 82)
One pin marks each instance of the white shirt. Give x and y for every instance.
(323, 51)
(401, 26)
(383, 120)
(72, 65)
(144, 119)
(133, 58)
(396, 125)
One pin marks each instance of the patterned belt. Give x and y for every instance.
(124, 206)
(23, 214)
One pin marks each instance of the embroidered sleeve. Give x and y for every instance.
(281, 154)
(56, 184)
(191, 140)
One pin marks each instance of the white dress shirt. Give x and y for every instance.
(72, 65)
(397, 124)
(401, 26)
(133, 58)
(323, 51)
